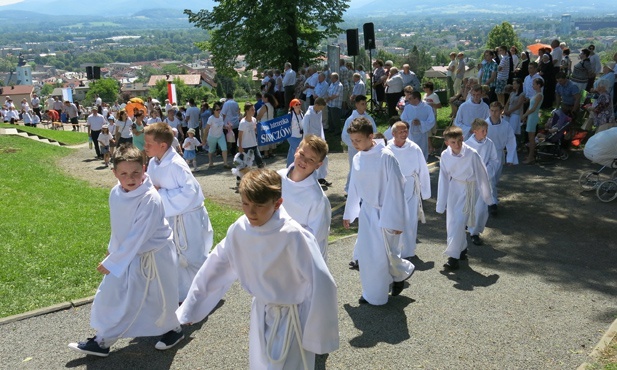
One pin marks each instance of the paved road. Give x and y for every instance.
(538, 295)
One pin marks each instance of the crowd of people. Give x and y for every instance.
(160, 252)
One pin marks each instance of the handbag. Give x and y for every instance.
(230, 136)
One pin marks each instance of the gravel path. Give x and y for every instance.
(538, 295)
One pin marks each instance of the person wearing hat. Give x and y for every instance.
(36, 104)
(608, 74)
(104, 140)
(190, 148)
(295, 109)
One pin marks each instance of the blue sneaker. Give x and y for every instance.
(90, 347)
(169, 339)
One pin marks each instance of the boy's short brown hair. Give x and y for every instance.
(127, 153)
(478, 123)
(160, 132)
(453, 132)
(360, 125)
(261, 186)
(316, 144)
(321, 102)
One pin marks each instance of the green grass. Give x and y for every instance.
(607, 359)
(55, 229)
(63, 137)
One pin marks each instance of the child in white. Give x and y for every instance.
(304, 198)
(485, 147)
(294, 312)
(105, 139)
(190, 148)
(376, 193)
(312, 125)
(139, 291)
(421, 120)
(184, 203)
(417, 185)
(462, 179)
(360, 111)
(502, 135)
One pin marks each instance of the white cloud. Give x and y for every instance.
(9, 2)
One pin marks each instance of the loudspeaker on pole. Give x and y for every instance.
(352, 42)
(369, 36)
(96, 73)
(89, 74)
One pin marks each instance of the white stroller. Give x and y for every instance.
(601, 148)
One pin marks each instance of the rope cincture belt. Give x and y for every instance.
(179, 228)
(416, 191)
(149, 271)
(292, 324)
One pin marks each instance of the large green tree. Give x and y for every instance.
(107, 88)
(503, 34)
(268, 32)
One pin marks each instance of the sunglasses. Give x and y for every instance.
(216, 110)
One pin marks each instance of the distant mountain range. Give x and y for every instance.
(366, 8)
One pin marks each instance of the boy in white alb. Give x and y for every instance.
(375, 197)
(312, 125)
(462, 179)
(303, 198)
(294, 312)
(183, 201)
(360, 111)
(485, 147)
(138, 294)
(417, 185)
(502, 135)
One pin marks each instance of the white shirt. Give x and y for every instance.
(95, 122)
(290, 78)
(249, 132)
(216, 126)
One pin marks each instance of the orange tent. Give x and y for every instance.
(535, 47)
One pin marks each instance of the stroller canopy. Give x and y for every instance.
(601, 148)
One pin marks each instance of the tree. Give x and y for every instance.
(503, 34)
(107, 88)
(269, 32)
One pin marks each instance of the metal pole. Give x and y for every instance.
(370, 81)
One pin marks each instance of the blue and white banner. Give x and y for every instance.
(67, 94)
(274, 131)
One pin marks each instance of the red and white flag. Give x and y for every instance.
(171, 93)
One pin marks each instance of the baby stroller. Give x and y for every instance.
(552, 143)
(243, 163)
(601, 149)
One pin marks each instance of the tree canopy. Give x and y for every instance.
(269, 32)
(503, 34)
(107, 88)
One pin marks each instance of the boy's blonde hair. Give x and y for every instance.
(160, 132)
(496, 104)
(316, 144)
(478, 123)
(261, 186)
(127, 153)
(453, 132)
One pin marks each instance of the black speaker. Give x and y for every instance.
(96, 73)
(352, 42)
(369, 36)
(89, 74)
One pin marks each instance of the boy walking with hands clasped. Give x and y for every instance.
(184, 203)
(462, 179)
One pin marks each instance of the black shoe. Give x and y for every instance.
(397, 288)
(362, 300)
(354, 265)
(169, 339)
(463, 255)
(324, 187)
(475, 239)
(90, 347)
(452, 264)
(324, 182)
(492, 209)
